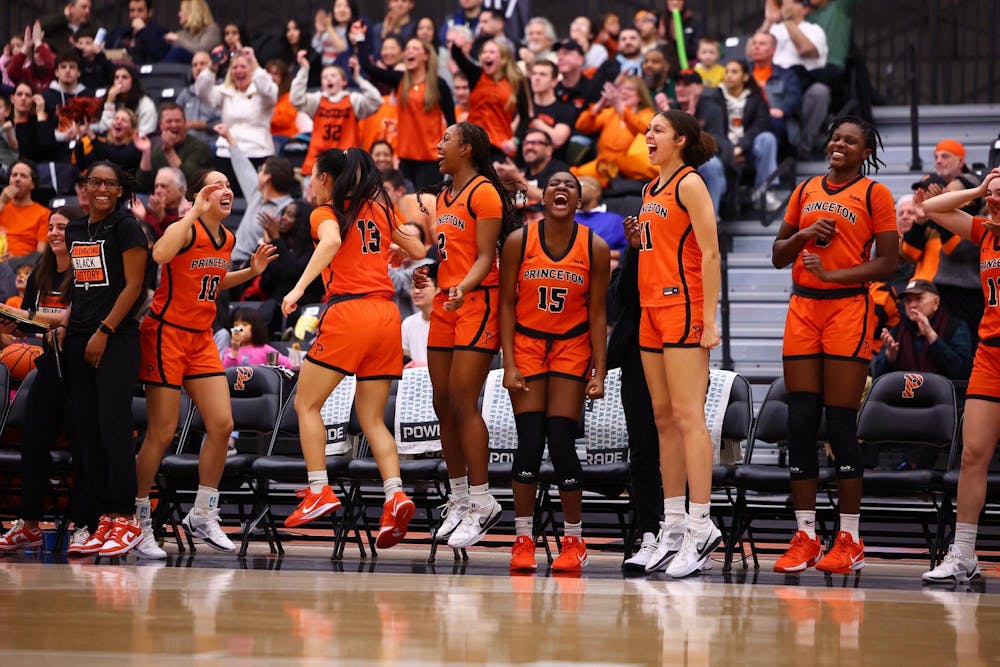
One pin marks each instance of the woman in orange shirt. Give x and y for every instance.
(359, 333)
(474, 215)
(679, 278)
(623, 112)
(498, 94)
(827, 234)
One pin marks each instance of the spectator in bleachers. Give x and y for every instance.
(690, 26)
(12, 47)
(383, 155)
(290, 234)
(126, 93)
(657, 77)
(628, 58)
(539, 164)
(401, 271)
(645, 23)
(709, 66)
(143, 38)
(835, 17)
(801, 48)
(8, 135)
(607, 34)
(467, 16)
(427, 31)
(416, 327)
(711, 116)
(61, 26)
(199, 32)
(96, 71)
(234, 38)
(295, 38)
(34, 129)
(163, 207)
(552, 116)
(330, 39)
(747, 123)
(177, 147)
(539, 38)
(266, 191)
(24, 221)
(245, 101)
(594, 214)
(286, 121)
(491, 26)
(34, 63)
(581, 31)
(122, 144)
(919, 244)
(397, 23)
(390, 54)
(424, 108)
(65, 87)
(621, 117)
(498, 94)
(249, 342)
(199, 116)
(517, 13)
(574, 87)
(778, 86)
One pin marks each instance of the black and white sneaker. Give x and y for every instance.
(478, 520)
(955, 569)
(695, 552)
(637, 562)
(205, 526)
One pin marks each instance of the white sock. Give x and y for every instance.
(965, 538)
(207, 498)
(479, 494)
(523, 526)
(849, 524)
(459, 486)
(673, 512)
(391, 485)
(806, 520)
(317, 480)
(574, 529)
(699, 516)
(143, 510)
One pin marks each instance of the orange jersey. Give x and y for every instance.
(383, 125)
(553, 293)
(190, 281)
(361, 265)
(419, 130)
(989, 276)
(334, 126)
(492, 105)
(456, 231)
(861, 209)
(886, 310)
(669, 254)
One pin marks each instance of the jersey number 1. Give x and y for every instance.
(209, 288)
(552, 299)
(645, 238)
(991, 285)
(371, 237)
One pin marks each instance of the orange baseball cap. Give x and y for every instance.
(951, 146)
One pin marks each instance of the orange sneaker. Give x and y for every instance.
(573, 557)
(124, 535)
(845, 556)
(522, 555)
(803, 552)
(396, 515)
(313, 506)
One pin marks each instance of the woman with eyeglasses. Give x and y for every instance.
(108, 250)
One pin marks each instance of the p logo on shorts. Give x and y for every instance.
(244, 373)
(912, 382)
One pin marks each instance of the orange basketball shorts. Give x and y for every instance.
(542, 357)
(474, 326)
(839, 328)
(984, 383)
(361, 337)
(171, 355)
(678, 325)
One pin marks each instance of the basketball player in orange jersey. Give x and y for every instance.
(678, 290)
(554, 278)
(178, 351)
(981, 427)
(827, 233)
(359, 333)
(474, 214)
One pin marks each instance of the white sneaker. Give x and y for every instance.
(148, 547)
(695, 552)
(478, 519)
(452, 513)
(641, 558)
(205, 525)
(79, 538)
(955, 569)
(668, 543)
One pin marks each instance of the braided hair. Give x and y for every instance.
(351, 194)
(873, 141)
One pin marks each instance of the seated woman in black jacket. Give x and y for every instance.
(291, 235)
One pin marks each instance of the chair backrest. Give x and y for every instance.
(414, 420)
(604, 423)
(909, 408)
(739, 413)
(256, 395)
(15, 410)
(499, 417)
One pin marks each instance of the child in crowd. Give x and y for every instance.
(248, 345)
(20, 282)
(709, 55)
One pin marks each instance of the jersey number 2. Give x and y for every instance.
(552, 299)
(209, 288)
(371, 237)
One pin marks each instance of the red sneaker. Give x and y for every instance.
(803, 552)
(396, 515)
(313, 506)
(522, 555)
(124, 534)
(19, 537)
(97, 538)
(573, 557)
(845, 556)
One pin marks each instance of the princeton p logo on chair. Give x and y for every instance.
(911, 382)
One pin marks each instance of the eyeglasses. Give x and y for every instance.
(96, 183)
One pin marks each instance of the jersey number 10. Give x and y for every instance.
(209, 288)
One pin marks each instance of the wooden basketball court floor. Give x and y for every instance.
(303, 609)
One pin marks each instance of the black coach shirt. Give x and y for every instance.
(99, 270)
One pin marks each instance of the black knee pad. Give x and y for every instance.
(805, 411)
(562, 451)
(842, 432)
(530, 445)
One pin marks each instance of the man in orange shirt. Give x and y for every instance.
(24, 222)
